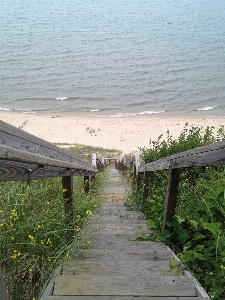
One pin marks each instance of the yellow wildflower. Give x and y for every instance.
(49, 242)
(32, 239)
(88, 212)
(78, 229)
(118, 230)
(64, 190)
(16, 254)
(67, 255)
(1, 224)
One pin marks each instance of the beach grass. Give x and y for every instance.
(85, 152)
(34, 234)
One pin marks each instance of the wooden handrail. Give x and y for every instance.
(210, 155)
(25, 157)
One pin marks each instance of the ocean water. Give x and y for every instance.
(113, 57)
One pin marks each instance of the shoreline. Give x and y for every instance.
(125, 133)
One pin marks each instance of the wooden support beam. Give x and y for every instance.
(86, 184)
(146, 186)
(67, 185)
(3, 291)
(138, 180)
(172, 193)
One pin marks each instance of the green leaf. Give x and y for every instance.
(151, 224)
(194, 223)
(212, 227)
(176, 271)
(173, 263)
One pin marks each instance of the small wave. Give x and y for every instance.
(94, 110)
(137, 114)
(207, 108)
(61, 98)
(5, 109)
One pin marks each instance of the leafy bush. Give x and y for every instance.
(196, 233)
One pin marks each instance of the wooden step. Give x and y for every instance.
(110, 298)
(102, 285)
(144, 254)
(120, 298)
(117, 267)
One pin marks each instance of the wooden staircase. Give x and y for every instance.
(118, 267)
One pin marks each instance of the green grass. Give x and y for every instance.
(34, 235)
(85, 152)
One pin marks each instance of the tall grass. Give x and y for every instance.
(34, 235)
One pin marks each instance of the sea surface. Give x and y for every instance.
(113, 57)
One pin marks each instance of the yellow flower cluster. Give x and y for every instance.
(39, 226)
(16, 254)
(222, 267)
(88, 212)
(13, 216)
(32, 239)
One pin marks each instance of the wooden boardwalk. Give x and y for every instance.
(118, 267)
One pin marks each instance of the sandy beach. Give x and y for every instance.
(125, 134)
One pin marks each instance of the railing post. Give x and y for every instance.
(172, 193)
(136, 166)
(67, 185)
(86, 184)
(146, 186)
(94, 159)
(3, 291)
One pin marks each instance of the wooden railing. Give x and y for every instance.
(210, 155)
(26, 157)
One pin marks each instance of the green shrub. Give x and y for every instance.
(196, 233)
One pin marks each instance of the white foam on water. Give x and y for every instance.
(61, 98)
(137, 114)
(94, 110)
(4, 108)
(207, 108)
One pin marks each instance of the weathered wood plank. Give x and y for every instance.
(19, 139)
(67, 186)
(101, 285)
(86, 184)
(11, 154)
(147, 175)
(202, 156)
(117, 267)
(3, 291)
(153, 255)
(172, 193)
(10, 170)
(110, 298)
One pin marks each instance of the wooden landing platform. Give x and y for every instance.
(120, 268)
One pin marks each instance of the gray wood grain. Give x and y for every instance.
(111, 298)
(117, 267)
(101, 285)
